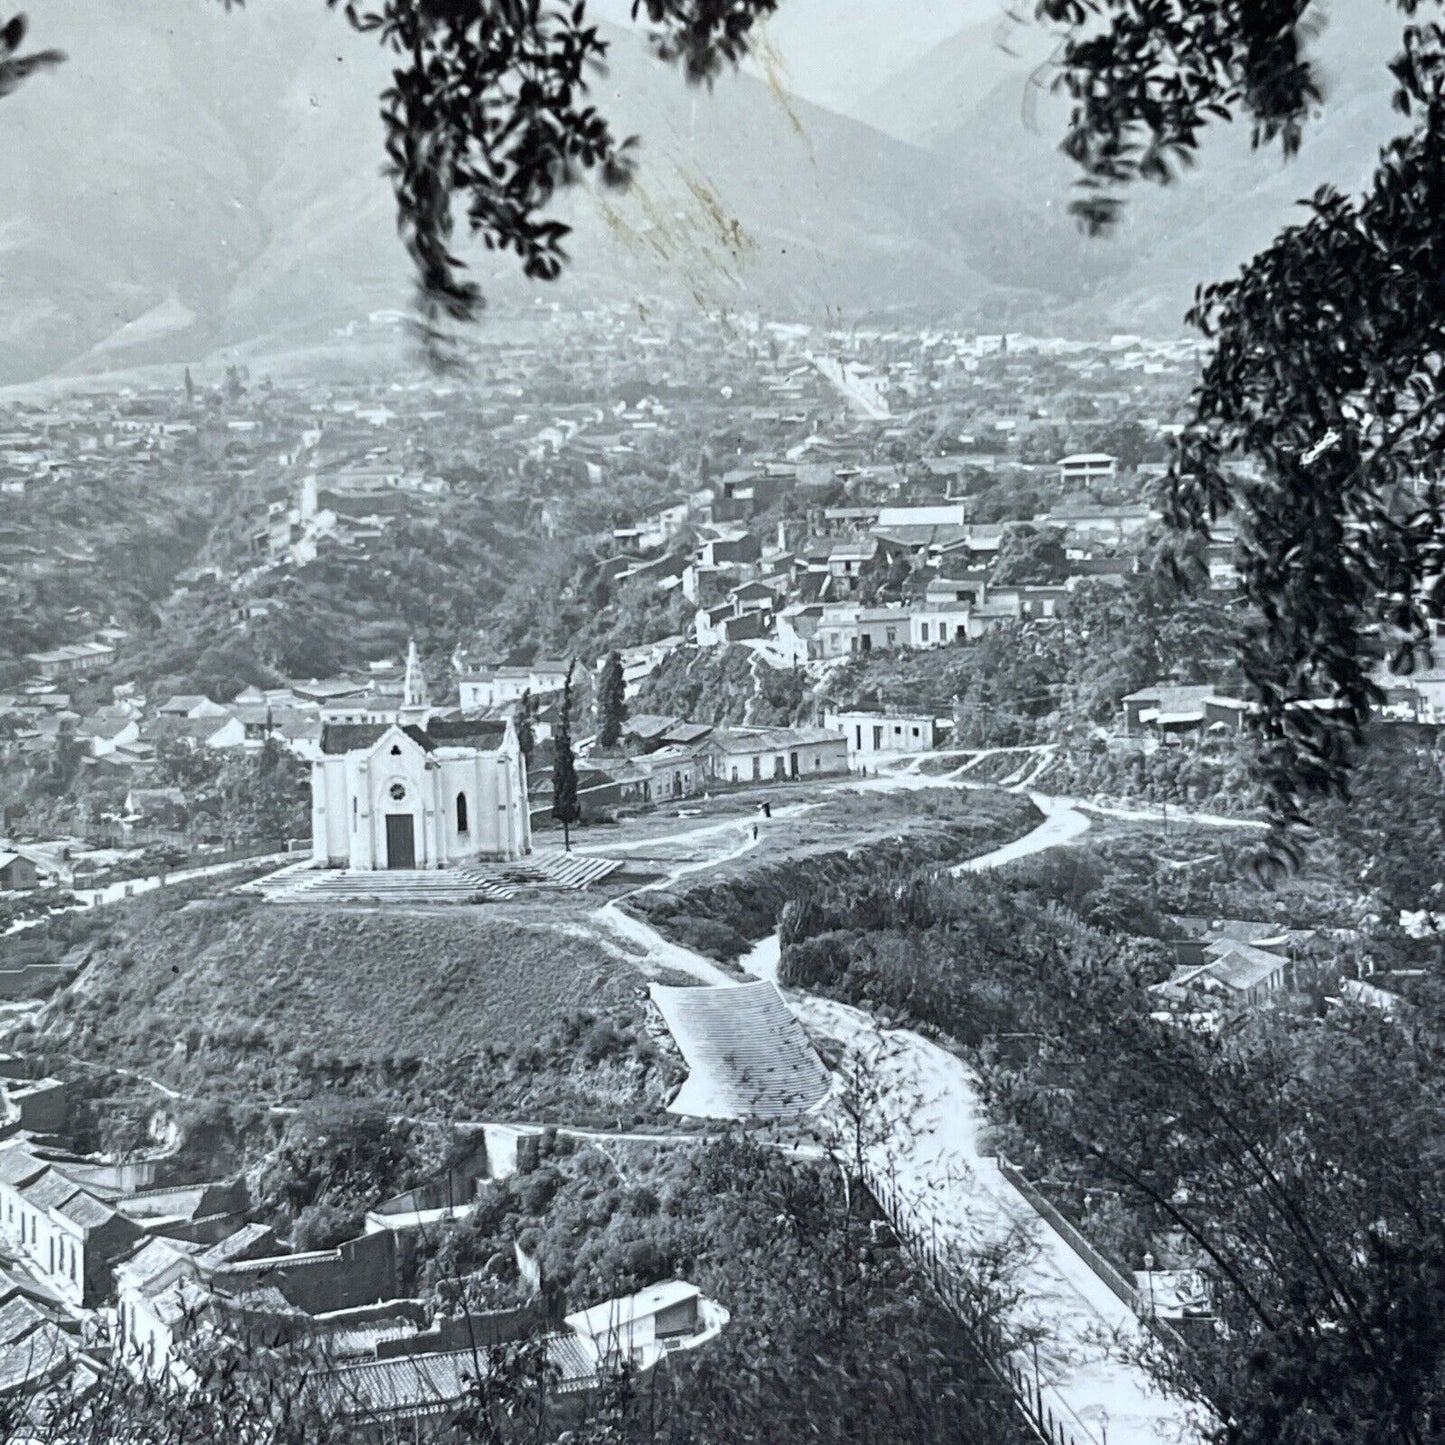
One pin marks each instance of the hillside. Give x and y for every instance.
(235, 202)
(471, 1013)
(238, 195)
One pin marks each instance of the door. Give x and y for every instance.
(400, 841)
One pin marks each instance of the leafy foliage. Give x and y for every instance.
(14, 67)
(1281, 1155)
(611, 701)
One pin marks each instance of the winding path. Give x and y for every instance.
(926, 1117)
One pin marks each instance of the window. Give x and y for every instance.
(915, 732)
(925, 631)
(396, 750)
(757, 769)
(397, 792)
(461, 812)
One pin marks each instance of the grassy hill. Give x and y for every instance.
(465, 1014)
(848, 837)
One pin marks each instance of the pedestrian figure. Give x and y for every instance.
(767, 810)
(755, 832)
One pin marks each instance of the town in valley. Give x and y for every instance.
(714, 873)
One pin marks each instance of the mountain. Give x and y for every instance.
(195, 181)
(982, 104)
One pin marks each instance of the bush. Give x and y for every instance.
(323, 1226)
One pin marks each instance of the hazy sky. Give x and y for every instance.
(836, 51)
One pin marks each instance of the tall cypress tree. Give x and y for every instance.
(564, 768)
(611, 701)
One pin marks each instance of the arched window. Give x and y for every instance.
(461, 812)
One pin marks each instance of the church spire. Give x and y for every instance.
(414, 706)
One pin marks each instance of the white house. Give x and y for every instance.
(872, 733)
(492, 687)
(937, 626)
(1083, 468)
(753, 755)
(639, 1329)
(69, 1236)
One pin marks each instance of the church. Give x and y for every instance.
(422, 791)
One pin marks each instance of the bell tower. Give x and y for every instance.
(415, 707)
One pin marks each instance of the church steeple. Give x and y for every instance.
(414, 704)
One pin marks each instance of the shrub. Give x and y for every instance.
(322, 1226)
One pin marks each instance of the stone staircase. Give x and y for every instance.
(476, 881)
(543, 868)
(393, 885)
(748, 1056)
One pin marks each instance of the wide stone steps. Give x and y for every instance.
(748, 1056)
(394, 885)
(544, 868)
(475, 881)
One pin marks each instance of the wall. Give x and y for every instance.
(359, 1272)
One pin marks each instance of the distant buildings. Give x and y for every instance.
(483, 688)
(1085, 469)
(72, 660)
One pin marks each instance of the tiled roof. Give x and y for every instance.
(731, 740)
(484, 733)
(238, 1245)
(50, 1189)
(19, 1166)
(35, 1358)
(18, 1317)
(85, 1211)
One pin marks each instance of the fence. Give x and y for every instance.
(1047, 1413)
(1121, 1287)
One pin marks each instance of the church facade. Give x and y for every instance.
(419, 792)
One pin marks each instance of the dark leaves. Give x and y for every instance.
(16, 68)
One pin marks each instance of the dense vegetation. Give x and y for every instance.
(457, 1015)
(848, 838)
(725, 685)
(1281, 1155)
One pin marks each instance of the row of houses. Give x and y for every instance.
(661, 760)
(164, 1266)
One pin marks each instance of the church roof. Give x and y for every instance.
(483, 733)
(478, 732)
